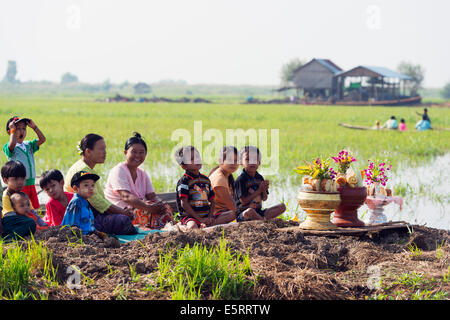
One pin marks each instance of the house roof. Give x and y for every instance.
(141, 85)
(326, 63)
(330, 65)
(374, 71)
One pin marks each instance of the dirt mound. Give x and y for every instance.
(286, 264)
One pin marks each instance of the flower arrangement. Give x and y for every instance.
(343, 160)
(346, 175)
(376, 174)
(319, 175)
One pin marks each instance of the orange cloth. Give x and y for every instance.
(153, 220)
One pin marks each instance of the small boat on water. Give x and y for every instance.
(393, 102)
(351, 126)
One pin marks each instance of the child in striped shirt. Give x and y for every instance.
(195, 196)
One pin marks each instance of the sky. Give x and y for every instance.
(218, 41)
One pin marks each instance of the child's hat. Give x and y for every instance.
(83, 175)
(17, 120)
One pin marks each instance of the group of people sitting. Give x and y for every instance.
(392, 123)
(128, 199)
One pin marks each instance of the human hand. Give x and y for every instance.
(31, 124)
(156, 207)
(12, 127)
(128, 212)
(263, 186)
(208, 221)
(100, 234)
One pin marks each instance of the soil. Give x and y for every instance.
(285, 264)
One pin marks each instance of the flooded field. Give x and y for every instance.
(425, 191)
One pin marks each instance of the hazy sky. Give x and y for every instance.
(218, 41)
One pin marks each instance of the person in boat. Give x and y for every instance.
(425, 123)
(130, 186)
(424, 116)
(377, 125)
(392, 123)
(402, 125)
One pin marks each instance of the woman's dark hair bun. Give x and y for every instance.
(135, 139)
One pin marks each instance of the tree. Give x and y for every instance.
(416, 72)
(288, 69)
(446, 91)
(11, 72)
(68, 78)
(106, 85)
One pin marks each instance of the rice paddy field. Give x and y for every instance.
(251, 260)
(293, 133)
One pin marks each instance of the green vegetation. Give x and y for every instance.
(20, 265)
(198, 272)
(414, 286)
(304, 131)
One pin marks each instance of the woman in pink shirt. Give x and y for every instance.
(130, 186)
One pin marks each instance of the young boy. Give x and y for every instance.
(251, 189)
(78, 212)
(14, 226)
(195, 196)
(19, 149)
(52, 182)
(22, 206)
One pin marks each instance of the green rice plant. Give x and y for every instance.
(22, 262)
(41, 259)
(446, 276)
(439, 250)
(86, 280)
(413, 280)
(198, 272)
(415, 251)
(15, 271)
(403, 189)
(429, 295)
(121, 292)
(135, 277)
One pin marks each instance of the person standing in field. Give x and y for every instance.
(425, 123)
(424, 116)
(222, 182)
(23, 150)
(109, 218)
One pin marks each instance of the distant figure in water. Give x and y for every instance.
(424, 116)
(391, 124)
(402, 125)
(425, 123)
(377, 125)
